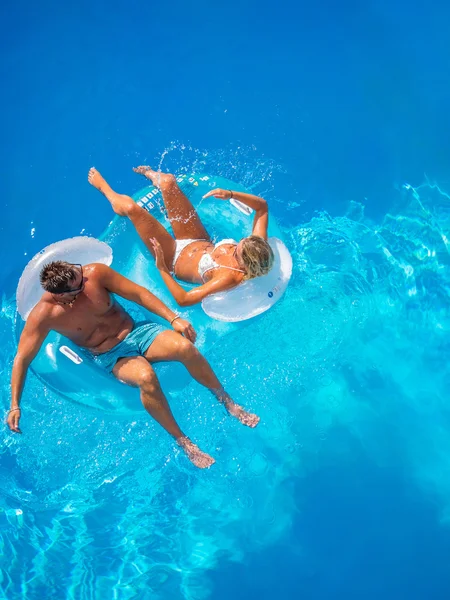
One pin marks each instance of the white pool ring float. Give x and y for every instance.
(253, 297)
(80, 249)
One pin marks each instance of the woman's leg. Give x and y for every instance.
(183, 217)
(146, 225)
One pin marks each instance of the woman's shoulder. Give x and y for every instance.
(228, 273)
(224, 279)
(225, 241)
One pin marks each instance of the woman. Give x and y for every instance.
(191, 255)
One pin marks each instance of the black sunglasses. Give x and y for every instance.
(80, 287)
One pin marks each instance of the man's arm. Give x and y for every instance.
(34, 333)
(124, 287)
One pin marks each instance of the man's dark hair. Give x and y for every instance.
(56, 276)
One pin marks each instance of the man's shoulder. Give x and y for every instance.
(96, 270)
(101, 275)
(44, 308)
(43, 312)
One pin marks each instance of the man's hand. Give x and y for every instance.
(13, 420)
(185, 328)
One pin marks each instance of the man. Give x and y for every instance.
(77, 303)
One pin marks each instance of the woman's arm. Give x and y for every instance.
(259, 205)
(185, 298)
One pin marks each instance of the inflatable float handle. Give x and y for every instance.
(242, 207)
(73, 356)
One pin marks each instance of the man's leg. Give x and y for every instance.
(137, 372)
(170, 345)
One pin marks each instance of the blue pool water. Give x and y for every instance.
(338, 114)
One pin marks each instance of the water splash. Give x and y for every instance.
(242, 164)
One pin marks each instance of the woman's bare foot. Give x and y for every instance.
(158, 179)
(246, 418)
(120, 203)
(97, 180)
(144, 170)
(196, 456)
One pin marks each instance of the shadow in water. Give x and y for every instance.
(360, 532)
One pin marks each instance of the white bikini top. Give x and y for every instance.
(207, 263)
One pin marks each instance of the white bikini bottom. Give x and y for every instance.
(180, 246)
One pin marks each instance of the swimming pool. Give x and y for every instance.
(343, 489)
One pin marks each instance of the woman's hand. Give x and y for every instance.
(220, 194)
(159, 255)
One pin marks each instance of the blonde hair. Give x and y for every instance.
(257, 256)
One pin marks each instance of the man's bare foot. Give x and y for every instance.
(235, 410)
(158, 179)
(120, 203)
(196, 456)
(246, 418)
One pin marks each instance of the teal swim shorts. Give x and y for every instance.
(137, 342)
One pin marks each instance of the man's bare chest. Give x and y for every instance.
(84, 313)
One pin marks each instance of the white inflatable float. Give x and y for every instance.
(253, 297)
(81, 250)
(61, 366)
